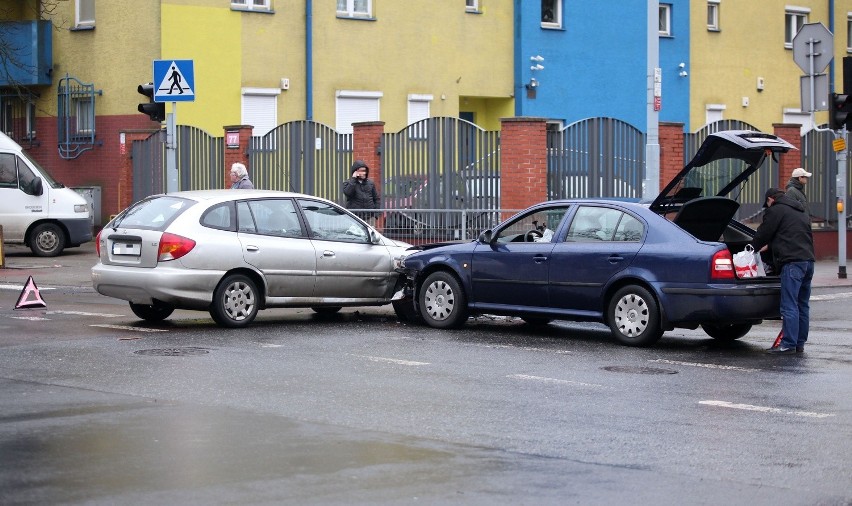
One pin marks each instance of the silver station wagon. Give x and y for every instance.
(234, 252)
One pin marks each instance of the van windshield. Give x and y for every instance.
(45, 175)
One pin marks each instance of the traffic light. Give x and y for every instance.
(155, 110)
(839, 111)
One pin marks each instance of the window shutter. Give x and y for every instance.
(355, 110)
(260, 111)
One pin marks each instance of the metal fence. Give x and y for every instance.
(421, 226)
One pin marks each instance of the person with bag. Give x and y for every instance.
(786, 231)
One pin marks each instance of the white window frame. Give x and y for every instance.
(350, 9)
(714, 113)
(30, 120)
(849, 32)
(791, 14)
(266, 126)
(713, 8)
(343, 122)
(82, 19)
(796, 116)
(471, 5)
(665, 24)
(84, 109)
(556, 23)
(418, 110)
(251, 5)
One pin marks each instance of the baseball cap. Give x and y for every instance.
(772, 192)
(800, 172)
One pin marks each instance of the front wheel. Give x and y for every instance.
(442, 303)
(730, 332)
(235, 301)
(156, 312)
(634, 317)
(47, 240)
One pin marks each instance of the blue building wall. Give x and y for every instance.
(596, 64)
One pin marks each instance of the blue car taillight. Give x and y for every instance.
(722, 265)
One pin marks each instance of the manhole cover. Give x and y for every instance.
(173, 352)
(637, 370)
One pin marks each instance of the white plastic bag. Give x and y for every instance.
(747, 263)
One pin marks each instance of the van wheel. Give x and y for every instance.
(156, 312)
(47, 240)
(235, 301)
(634, 317)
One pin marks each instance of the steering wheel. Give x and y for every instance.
(532, 235)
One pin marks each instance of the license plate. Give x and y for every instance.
(128, 249)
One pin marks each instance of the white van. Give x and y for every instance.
(35, 210)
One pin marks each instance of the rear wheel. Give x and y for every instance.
(47, 240)
(634, 317)
(326, 309)
(442, 303)
(235, 301)
(729, 332)
(156, 312)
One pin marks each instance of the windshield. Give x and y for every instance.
(45, 175)
(154, 213)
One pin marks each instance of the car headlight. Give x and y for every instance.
(399, 262)
(81, 208)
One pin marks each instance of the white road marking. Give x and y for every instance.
(832, 296)
(21, 287)
(31, 318)
(706, 366)
(765, 409)
(391, 360)
(126, 327)
(545, 379)
(270, 345)
(83, 313)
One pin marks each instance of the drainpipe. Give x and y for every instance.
(309, 62)
(831, 29)
(519, 83)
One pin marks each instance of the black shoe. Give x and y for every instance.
(777, 350)
(800, 349)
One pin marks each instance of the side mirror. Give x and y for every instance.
(374, 237)
(34, 187)
(486, 237)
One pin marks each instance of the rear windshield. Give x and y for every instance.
(155, 213)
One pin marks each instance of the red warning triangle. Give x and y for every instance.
(29, 296)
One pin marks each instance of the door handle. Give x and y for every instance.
(615, 258)
(539, 259)
(252, 247)
(328, 253)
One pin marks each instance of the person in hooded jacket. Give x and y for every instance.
(361, 193)
(786, 230)
(796, 188)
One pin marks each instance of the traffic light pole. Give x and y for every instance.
(171, 151)
(841, 207)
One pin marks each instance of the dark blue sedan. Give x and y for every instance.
(641, 269)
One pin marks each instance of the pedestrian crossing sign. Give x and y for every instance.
(174, 81)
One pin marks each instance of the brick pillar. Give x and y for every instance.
(671, 152)
(237, 139)
(792, 159)
(523, 161)
(366, 144)
(124, 191)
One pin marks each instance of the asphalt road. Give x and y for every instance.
(99, 408)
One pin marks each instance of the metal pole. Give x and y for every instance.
(841, 208)
(171, 151)
(651, 184)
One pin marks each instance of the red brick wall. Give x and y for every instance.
(671, 151)
(791, 159)
(366, 140)
(234, 155)
(523, 159)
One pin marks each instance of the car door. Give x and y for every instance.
(348, 264)
(597, 244)
(513, 269)
(275, 242)
(17, 208)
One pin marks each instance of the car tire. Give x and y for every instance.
(536, 320)
(442, 303)
(235, 301)
(406, 312)
(723, 332)
(634, 317)
(326, 310)
(156, 312)
(47, 240)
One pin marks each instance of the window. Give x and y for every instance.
(355, 107)
(259, 108)
(8, 173)
(603, 224)
(418, 110)
(538, 226)
(330, 223)
(551, 13)
(471, 5)
(355, 8)
(793, 21)
(713, 15)
(85, 14)
(849, 32)
(276, 217)
(665, 20)
(85, 112)
(251, 5)
(714, 113)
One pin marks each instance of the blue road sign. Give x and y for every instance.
(174, 81)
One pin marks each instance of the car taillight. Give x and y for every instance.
(722, 266)
(98, 243)
(173, 247)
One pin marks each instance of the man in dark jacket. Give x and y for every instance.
(796, 188)
(361, 193)
(786, 230)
